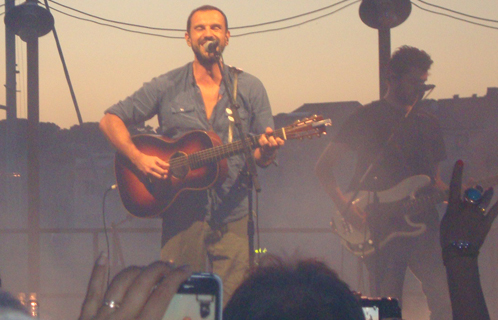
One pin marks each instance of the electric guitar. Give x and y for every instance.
(198, 160)
(392, 216)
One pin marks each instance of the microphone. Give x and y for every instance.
(426, 87)
(211, 46)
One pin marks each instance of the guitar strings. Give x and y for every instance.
(198, 159)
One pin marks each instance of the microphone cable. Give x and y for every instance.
(108, 246)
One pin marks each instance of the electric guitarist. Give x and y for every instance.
(393, 141)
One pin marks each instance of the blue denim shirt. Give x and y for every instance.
(177, 101)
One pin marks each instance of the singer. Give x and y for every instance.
(208, 231)
(394, 140)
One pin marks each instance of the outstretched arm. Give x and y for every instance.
(324, 170)
(134, 293)
(463, 230)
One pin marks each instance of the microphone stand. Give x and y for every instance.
(251, 174)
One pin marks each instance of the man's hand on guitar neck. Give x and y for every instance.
(269, 144)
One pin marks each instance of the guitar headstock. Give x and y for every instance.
(310, 127)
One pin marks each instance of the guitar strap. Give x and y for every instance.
(231, 125)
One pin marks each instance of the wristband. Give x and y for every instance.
(459, 248)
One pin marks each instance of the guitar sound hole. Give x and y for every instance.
(179, 165)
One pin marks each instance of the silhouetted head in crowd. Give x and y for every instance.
(305, 289)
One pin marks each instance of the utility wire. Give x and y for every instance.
(237, 35)
(297, 24)
(181, 37)
(260, 24)
(290, 18)
(114, 21)
(183, 30)
(453, 17)
(116, 27)
(460, 13)
(66, 72)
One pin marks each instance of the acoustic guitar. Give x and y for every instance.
(198, 161)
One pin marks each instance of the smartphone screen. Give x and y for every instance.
(198, 298)
(371, 313)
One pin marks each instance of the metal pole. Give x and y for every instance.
(10, 68)
(11, 168)
(33, 168)
(384, 56)
(29, 21)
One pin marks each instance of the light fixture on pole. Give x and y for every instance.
(384, 15)
(29, 20)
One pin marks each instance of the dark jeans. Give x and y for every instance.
(422, 255)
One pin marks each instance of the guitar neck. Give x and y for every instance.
(201, 158)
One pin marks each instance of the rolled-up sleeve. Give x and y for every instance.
(140, 106)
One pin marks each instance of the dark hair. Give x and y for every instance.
(306, 289)
(405, 58)
(205, 8)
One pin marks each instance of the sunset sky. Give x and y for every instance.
(333, 58)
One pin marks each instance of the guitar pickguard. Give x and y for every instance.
(386, 223)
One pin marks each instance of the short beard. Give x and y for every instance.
(203, 60)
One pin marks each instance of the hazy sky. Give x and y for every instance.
(334, 58)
